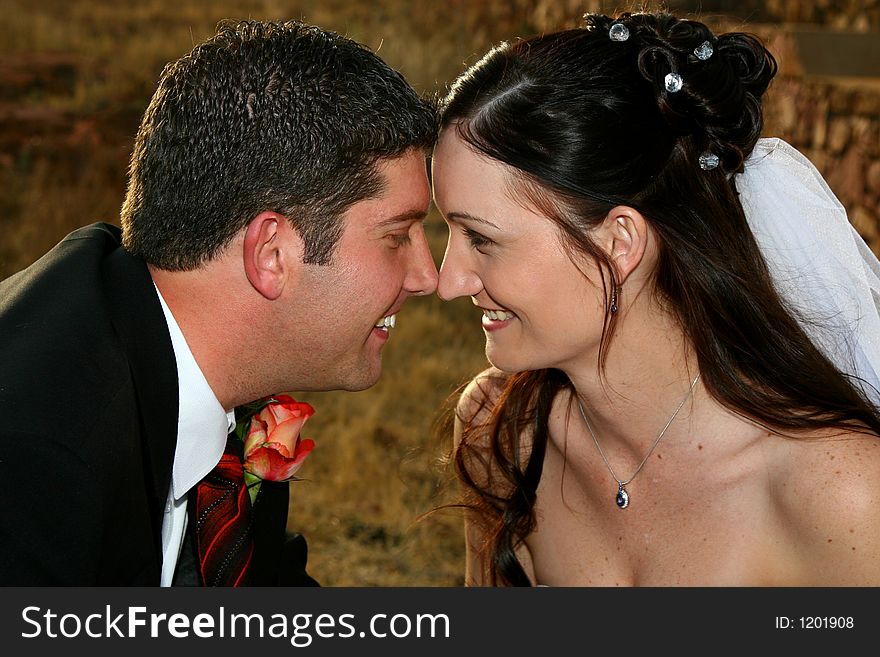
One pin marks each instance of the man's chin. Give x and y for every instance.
(364, 379)
(366, 375)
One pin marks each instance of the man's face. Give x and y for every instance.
(344, 310)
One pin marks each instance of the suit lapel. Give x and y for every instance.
(140, 323)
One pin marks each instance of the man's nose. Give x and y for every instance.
(422, 276)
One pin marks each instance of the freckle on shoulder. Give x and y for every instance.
(847, 489)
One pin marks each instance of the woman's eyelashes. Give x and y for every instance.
(476, 240)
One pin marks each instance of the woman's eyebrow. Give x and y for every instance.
(459, 216)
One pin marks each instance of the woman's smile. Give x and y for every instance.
(494, 320)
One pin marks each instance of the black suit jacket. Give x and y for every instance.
(88, 424)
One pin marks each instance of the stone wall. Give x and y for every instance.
(838, 128)
(860, 15)
(833, 119)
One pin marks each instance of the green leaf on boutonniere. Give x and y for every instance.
(245, 412)
(253, 483)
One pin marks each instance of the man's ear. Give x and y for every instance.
(624, 235)
(272, 253)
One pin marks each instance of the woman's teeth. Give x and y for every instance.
(386, 322)
(498, 315)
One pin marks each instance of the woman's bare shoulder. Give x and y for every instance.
(478, 441)
(829, 491)
(478, 452)
(480, 395)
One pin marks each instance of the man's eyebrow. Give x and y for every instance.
(464, 216)
(403, 217)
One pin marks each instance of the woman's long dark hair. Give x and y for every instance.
(587, 123)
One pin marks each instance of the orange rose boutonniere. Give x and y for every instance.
(273, 450)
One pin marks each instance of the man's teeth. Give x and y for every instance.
(387, 322)
(498, 315)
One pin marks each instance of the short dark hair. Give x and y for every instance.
(285, 117)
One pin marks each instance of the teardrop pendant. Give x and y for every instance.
(622, 497)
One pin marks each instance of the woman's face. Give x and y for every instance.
(539, 309)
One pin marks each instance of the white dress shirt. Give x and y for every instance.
(202, 426)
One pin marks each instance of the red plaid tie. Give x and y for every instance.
(224, 524)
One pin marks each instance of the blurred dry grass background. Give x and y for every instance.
(75, 77)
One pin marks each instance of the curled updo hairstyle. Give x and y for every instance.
(586, 123)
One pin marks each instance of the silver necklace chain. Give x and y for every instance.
(622, 498)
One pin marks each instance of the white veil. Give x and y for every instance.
(819, 263)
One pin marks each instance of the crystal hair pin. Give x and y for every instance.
(618, 32)
(704, 51)
(708, 160)
(673, 82)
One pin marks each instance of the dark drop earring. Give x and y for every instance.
(615, 292)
